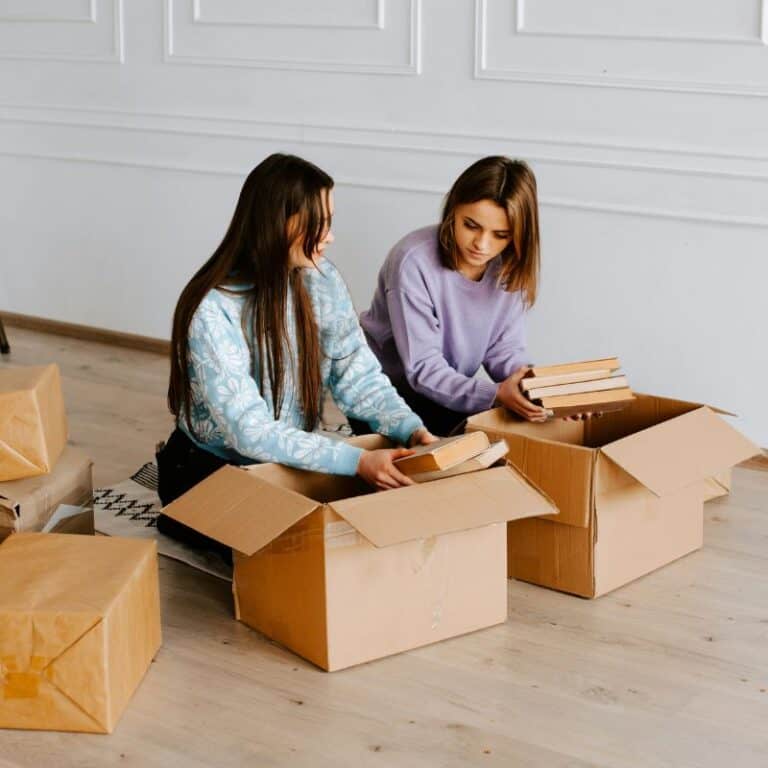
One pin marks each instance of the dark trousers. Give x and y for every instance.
(181, 465)
(438, 419)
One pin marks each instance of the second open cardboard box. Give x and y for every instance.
(342, 575)
(629, 486)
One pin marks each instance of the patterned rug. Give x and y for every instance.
(131, 508)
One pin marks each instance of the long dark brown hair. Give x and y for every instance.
(511, 185)
(255, 253)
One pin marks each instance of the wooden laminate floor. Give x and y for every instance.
(671, 670)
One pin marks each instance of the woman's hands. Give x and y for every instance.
(421, 436)
(377, 468)
(511, 397)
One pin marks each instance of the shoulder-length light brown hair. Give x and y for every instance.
(511, 185)
(255, 252)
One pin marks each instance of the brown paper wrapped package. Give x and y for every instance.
(79, 625)
(28, 504)
(33, 423)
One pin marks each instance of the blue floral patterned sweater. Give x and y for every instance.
(234, 419)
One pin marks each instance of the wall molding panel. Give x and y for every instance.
(28, 12)
(203, 14)
(388, 44)
(509, 47)
(525, 26)
(93, 33)
(587, 176)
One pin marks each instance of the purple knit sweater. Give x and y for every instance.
(434, 327)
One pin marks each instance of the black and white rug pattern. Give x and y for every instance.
(123, 503)
(130, 509)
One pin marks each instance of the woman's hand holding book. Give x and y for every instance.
(377, 468)
(511, 397)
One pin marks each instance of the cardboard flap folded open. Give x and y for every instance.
(239, 509)
(675, 401)
(681, 451)
(453, 504)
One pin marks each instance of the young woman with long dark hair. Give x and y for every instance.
(453, 297)
(261, 332)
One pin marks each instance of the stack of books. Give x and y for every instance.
(452, 456)
(587, 386)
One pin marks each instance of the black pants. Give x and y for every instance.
(438, 419)
(181, 465)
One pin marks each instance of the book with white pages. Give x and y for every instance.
(534, 382)
(598, 385)
(484, 460)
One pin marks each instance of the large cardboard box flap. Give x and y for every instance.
(246, 508)
(239, 509)
(29, 504)
(443, 506)
(684, 450)
(33, 424)
(79, 625)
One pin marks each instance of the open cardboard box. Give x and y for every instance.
(629, 486)
(342, 575)
(33, 422)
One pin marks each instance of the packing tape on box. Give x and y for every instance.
(341, 534)
(290, 543)
(426, 552)
(22, 685)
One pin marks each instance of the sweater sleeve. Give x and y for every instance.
(220, 362)
(507, 351)
(417, 336)
(358, 385)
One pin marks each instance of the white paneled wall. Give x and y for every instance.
(126, 129)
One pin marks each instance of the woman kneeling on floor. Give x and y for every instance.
(260, 333)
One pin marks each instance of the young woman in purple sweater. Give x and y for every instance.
(453, 297)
